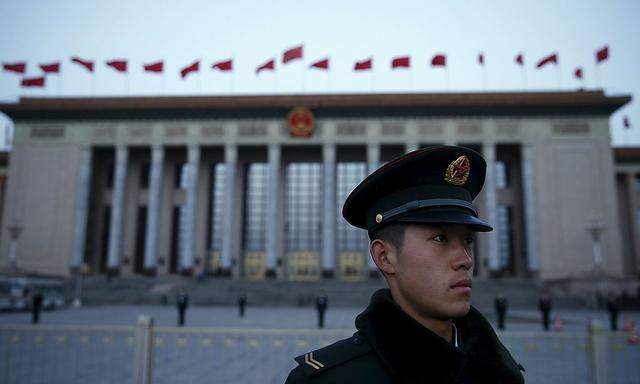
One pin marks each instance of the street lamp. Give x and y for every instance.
(595, 230)
(14, 232)
(79, 272)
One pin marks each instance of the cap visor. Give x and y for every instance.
(445, 217)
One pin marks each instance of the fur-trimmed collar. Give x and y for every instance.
(415, 354)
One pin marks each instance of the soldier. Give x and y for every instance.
(614, 309)
(321, 306)
(501, 310)
(419, 213)
(242, 303)
(182, 302)
(545, 307)
(36, 306)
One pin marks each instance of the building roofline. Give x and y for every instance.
(626, 153)
(380, 104)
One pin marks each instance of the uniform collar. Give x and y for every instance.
(411, 351)
(414, 353)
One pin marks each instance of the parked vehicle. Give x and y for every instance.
(15, 292)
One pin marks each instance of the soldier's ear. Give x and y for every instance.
(384, 254)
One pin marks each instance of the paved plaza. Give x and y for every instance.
(279, 318)
(98, 344)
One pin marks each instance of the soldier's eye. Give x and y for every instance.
(440, 238)
(469, 240)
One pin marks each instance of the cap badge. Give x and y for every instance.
(457, 172)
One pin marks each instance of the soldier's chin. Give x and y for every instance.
(460, 309)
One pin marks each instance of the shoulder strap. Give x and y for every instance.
(335, 354)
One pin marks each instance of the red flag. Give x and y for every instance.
(401, 62)
(157, 67)
(87, 64)
(363, 65)
(33, 82)
(626, 123)
(602, 54)
(118, 65)
(439, 61)
(268, 66)
(226, 65)
(15, 67)
(321, 64)
(520, 59)
(292, 54)
(188, 69)
(578, 73)
(553, 58)
(481, 58)
(50, 68)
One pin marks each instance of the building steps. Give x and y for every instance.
(98, 290)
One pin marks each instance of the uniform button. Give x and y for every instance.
(357, 340)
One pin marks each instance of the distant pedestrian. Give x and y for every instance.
(242, 303)
(199, 270)
(321, 306)
(613, 306)
(36, 306)
(182, 302)
(545, 308)
(501, 310)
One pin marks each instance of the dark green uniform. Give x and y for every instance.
(391, 347)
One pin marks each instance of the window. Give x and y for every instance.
(349, 237)
(502, 180)
(179, 179)
(504, 235)
(144, 175)
(302, 204)
(110, 174)
(217, 206)
(256, 207)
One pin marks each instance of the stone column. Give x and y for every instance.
(491, 205)
(153, 209)
(373, 162)
(228, 235)
(117, 208)
(191, 204)
(273, 205)
(529, 200)
(81, 208)
(329, 210)
(633, 226)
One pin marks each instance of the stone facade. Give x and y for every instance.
(170, 185)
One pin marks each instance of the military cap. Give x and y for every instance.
(434, 185)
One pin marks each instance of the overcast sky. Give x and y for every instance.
(252, 32)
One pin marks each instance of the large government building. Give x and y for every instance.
(252, 186)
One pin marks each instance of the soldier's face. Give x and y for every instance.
(433, 271)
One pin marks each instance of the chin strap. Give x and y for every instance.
(454, 330)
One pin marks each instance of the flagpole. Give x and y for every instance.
(524, 77)
(484, 78)
(446, 77)
(559, 76)
(162, 84)
(93, 83)
(597, 76)
(411, 84)
(304, 75)
(329, 81)
(371, 78)
(233, 74)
